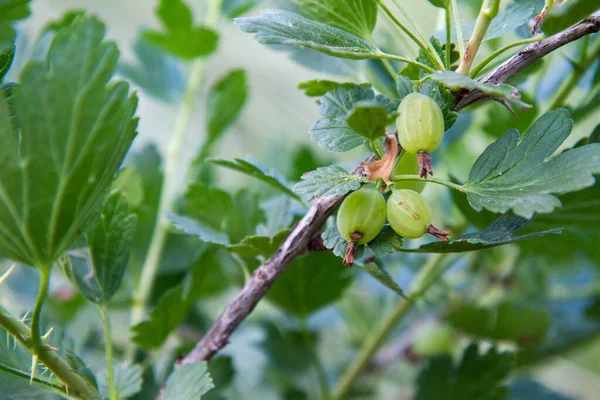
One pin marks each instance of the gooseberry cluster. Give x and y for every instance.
(363, 213)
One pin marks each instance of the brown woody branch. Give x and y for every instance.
(298, 240)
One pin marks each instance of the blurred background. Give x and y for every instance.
(558, 275)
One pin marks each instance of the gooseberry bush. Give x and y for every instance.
(438, 239)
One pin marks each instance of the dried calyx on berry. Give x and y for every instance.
(410, 216)
(360, 219)
(420, 125)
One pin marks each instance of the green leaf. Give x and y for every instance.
(235, 8)
(520, 173)
(188, 382)
(404, 87)
(6, 59)
(386, 242)
(226, 100)
(508, 321)
(284, 27)
(347, 116)
(477, 377)
(158, 73)
(334, 241)
(128, 381)
(109, 240)
(562, 16)
(254, 169)
(285, 348)
(74, 129)
(319, 87)
(463, 85)
(64, 21)
(355, 16)
(444, 99)
(181, 37)
(515, 16)
(309, 283)
(264, 246)
(194, 227)
(379, 273)
(498, 121)
(439, 3)
(10, 12)
(327, 181)
(499, 233)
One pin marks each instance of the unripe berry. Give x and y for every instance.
(407, 164)
(408, 213)
(361, 216)
(435, 341)
(420, 123)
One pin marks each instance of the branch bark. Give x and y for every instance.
(529, 55)
(297, 242)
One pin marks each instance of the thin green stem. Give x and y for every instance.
(448, 15)
(108, 348)
(322, 375)
(430, 179)
(383, 55)
(489, 9)
(496, 53)
(24, 375)
(459, 35)
(36, 336)
(586, 60)
(74, 384)
(429, 274)
(168, 193)
(423, 44)
(377, 148)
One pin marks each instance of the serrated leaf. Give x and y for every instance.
(6, 59)
(562, 16)
(319, 87)
(74, 130)
(508, 321)
(520, 173)
(499, 233)
(379, 273)
(386, 242)
(477, 377)
(327, 181)
(462, 84)
(334, 241)
(188, 382)
(158, 73)
(368, 119)
(194, 227)
(309, 283)
(334, 131)
(254, 169)
(180, 36)
(64, 21)
(285, 27)
(515, 16)
(355, 16)
(264, 246)
(128, 381)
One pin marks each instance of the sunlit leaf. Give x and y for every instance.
(188, 382)
(328, 181)
(355, 16)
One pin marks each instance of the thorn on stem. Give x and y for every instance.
(438, 233)
(34, 363)
(424, 164)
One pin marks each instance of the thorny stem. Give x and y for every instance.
(36, 338)
(322, 375)
(496, 53)
(489, 9)
(429, 274)
(424, 45)
(586, 60)
(74, 384)
(459, 35)
(112, 390)
(168, 192)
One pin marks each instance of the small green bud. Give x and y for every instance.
(361, 216)
(408, 213)
(420, 124)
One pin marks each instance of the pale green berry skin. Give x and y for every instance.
(407, 164)
(420, 123)
(435, 341)
(362, 211)
(408, 213)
